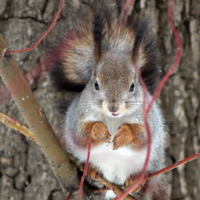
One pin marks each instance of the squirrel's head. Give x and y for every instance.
(118, 51)
(116, 85)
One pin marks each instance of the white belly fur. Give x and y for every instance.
(116, 165)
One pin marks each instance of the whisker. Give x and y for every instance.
(138, 103)
(133, 101)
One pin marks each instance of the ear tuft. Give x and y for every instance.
(97, 34)
(140, 30)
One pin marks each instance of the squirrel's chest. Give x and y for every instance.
(113, 124)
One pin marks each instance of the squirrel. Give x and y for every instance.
(97, 60)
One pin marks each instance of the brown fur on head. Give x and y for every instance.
(114, 77)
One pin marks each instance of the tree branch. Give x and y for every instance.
(37, 122)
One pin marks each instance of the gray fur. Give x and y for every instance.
(115, 74)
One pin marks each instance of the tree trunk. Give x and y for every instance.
(24, 172)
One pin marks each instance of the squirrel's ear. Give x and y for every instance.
(140, 30)
(97, 34)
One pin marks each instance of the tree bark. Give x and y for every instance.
(24, 171)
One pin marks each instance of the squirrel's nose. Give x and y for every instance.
(113, 107)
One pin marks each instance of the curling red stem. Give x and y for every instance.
(176, 60)
(85, 169)
(44, 34)
(124, 12)
(69, 196)
(165, 78)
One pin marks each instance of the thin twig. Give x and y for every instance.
(85, 169)
(173, 166)
(9, 121)
(176, 60)
(101, 190)
(44, 34)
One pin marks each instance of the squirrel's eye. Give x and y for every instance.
(132, 87)
(96, 85)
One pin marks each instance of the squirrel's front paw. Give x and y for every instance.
(100, 133)
(123, 137)
(129, 134)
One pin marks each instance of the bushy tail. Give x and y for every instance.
(73, 59)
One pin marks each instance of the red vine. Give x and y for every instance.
(85, 169)
(176, 60)
(69, 196)
(61, 4)
(124, 12)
